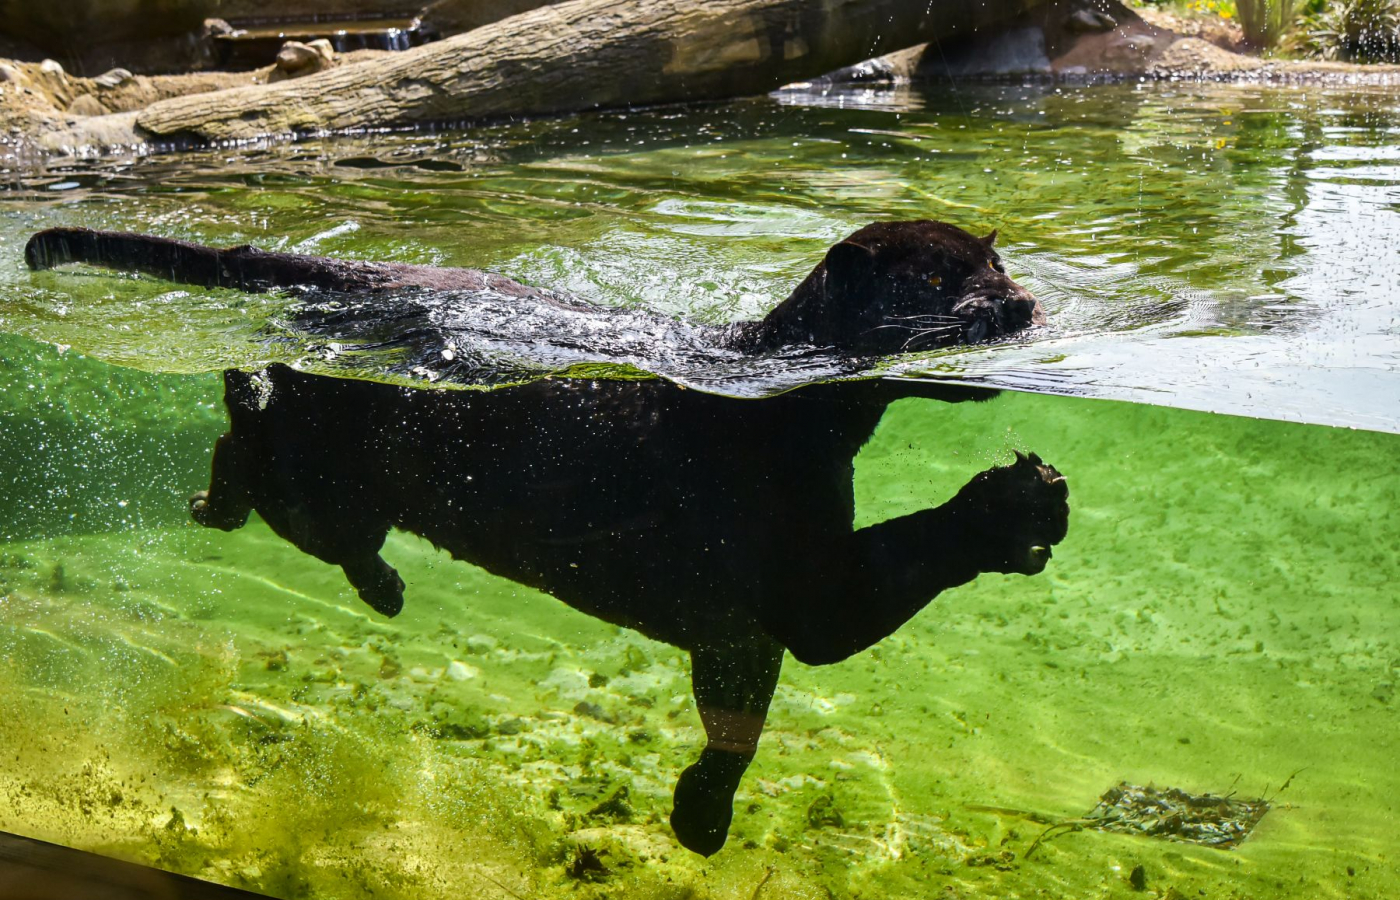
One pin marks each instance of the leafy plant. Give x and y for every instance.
(1265, 21)
(1225, 9)
(1354, 31)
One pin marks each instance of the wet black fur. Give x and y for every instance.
(889, 287)
(720, 526)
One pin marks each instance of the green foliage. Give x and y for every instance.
(1225, 9)
(1265, 21)
(1366, 31)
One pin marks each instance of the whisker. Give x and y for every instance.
(952, 323)
(882, 327)
(927, 332)
(934, 316)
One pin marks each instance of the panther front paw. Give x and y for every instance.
(377, 583)
(1018, 513)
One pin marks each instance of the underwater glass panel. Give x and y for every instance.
(1221, 617)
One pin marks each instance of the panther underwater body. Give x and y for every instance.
(721, 526)
(889, 287)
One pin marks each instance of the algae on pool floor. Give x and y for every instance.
(1220, 612)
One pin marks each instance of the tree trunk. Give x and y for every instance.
(576, 55)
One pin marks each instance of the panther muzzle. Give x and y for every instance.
(997, 310)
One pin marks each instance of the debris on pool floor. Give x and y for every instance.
(1175, 815)
(1168, 813)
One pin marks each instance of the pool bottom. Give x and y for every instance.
(1219, 619)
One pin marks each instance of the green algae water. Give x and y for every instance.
(1221, 618)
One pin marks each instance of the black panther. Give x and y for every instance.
(889, 287)
(721, 526)
(718, 525)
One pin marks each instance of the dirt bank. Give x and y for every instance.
(39, 100)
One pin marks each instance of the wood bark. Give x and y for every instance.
(577, 55)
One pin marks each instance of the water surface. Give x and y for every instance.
(1213, 247)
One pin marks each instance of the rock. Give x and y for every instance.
(51, 67)
(824, 812)
(1195, 58)
(296, 58)
(114, 77)
(9, 73)
(614, 809)
(112, 131)
(323, 49)
(1090, 21)
(1129, 52)
(217, 28)
(460, 671)
(481, 643)
(87, 105)
(899, 67)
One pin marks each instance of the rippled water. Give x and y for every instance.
(1217, 248)
(1221, 616)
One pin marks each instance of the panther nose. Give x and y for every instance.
(1020, 310)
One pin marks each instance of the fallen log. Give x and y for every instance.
(576, 55)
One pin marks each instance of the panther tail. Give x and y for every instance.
(246, 268)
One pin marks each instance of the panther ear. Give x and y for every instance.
(990, 239)
(848, 262)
